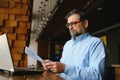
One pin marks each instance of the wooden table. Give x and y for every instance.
(46, 75)
(113, 72)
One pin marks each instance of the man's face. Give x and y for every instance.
(76, 27)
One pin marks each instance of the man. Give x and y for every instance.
(83, 56)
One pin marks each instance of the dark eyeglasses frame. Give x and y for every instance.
(72, 23)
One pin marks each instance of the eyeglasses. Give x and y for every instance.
(72, 24)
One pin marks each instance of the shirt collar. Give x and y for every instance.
(80, 37)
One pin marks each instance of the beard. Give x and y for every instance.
(75, 33)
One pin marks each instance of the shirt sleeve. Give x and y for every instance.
(96, 65)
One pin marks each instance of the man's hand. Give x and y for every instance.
(55, 67)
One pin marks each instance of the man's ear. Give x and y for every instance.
(86, 23)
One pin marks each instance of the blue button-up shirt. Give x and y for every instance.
(84, 58)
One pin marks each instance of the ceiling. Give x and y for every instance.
(103, 13)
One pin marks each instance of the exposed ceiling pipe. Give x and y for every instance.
(55, 8)
(106, 29)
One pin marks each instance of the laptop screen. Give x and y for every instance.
(6, 62)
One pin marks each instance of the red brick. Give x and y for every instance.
(3, 4)
(7, 30)
(18, 50)
(18, 5)
(25, 6)
(21, 63)
(25, 1)
(19, 43)
(1, 19)
(10, 41)
(12, 17)
(21, 30)
(10, 23)
(13, 11)
(17, 56)
(12, 36)
(5, 16)
(16, 62)
(22, 18)
(17, 1)
(11, 4)
(28, 25)
(21, 37)
(21, 23)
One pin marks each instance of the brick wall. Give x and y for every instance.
(15, 22)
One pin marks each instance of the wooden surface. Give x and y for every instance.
(46, 75)
(113, 72)
(117, 73)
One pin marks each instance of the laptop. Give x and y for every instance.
(6, 60)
